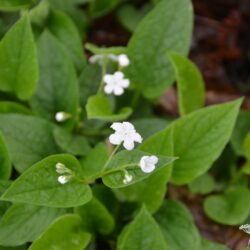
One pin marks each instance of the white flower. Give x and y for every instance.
(63, 179)
(62, 116)
(245, 228)
(115, 83)
(62, 169)
(124, 132)
(123, 60)
(147, 163)
(127, 178)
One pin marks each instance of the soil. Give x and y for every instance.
(221, 49)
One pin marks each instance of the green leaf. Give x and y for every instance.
(99, 8)
(105, 50)
(241, 130)
(129, 16)
(29, 139)
(203, 184)
(18, 60)
(70, 143)
(129, 161)
(61, 25)
(89, 82)
(191, 92)
(168, 27)
(5, 164)
(57, 90)
(23, 247)
(177, 226)
(7, 5)
(93, 163)
(230, 208)
(4, 205)
(199, 139)
(64, 233)
(96, 217)
(98, 107)
(142, 233)
(39, 185)
(156, 184)
(210, 245)
(149, 126)
(27, 222)
(7, 107)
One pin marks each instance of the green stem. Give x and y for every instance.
(104, 71)
(111, 156)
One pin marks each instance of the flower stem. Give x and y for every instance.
(111, 156)
(104, 70)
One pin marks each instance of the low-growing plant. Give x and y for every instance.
(84, 159)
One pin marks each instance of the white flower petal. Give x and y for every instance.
(115, 139)
(118, 75)
(137, 137)
(108, 89)
(153, 159)
(118, 90)
(117, 126)
(124, 83)
(148, 168)
(123, 60)
(128, 144)
(128, 126)
(108, 78)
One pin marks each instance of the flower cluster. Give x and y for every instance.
(126, 134)
(65, 173)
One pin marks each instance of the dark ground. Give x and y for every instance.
(221, 49)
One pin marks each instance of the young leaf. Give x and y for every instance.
(29, 139)
(5, 164)
(191, 93)
(73, 144)
(57, 90)
(177, 226)
(203, 184)
(242, 128)
(161, 31)
(231, 208)
(27, 221)
(39, 185)
(18, 60)
(64, 233)
(142, 233)
(96, 217)
(7, 107)
(61, 25)
(98, 107)
(93, 163)
(129, 161)
(156, 184)
(7, 5)
(89, 82)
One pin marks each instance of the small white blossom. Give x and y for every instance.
(245, 228)
(63, 179)
(127, 178)
(62, 169)
(123, 60)
(62, 116)
(115, 83)
(124, 132)
(147, 163)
